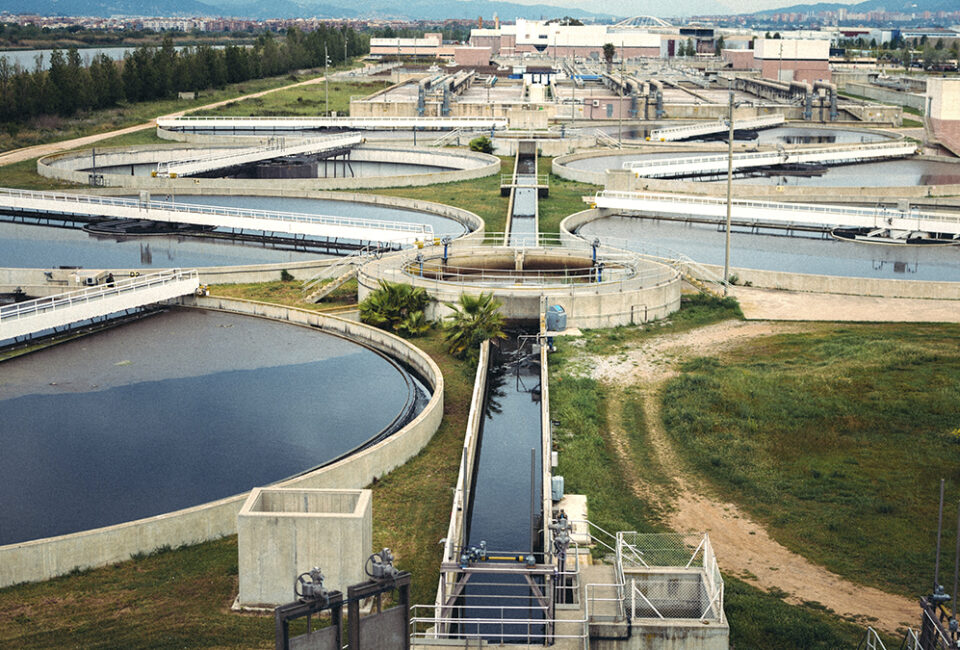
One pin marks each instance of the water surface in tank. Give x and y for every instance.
(176, 410)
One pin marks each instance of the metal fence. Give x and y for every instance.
(669, 575)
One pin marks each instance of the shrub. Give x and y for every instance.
(482, 144)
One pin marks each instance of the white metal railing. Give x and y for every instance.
(340, 266)
(447, 137)
(687, 165)
(28, 308)
(245, 155)
(882, 213)
(670, 133)
(524, 179)
(70, 203)
(272, 121)
(636, 551)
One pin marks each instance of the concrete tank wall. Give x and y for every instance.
(46, 558)
(465, 165)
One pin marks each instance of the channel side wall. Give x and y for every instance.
(465, 165)
(456, 529)
(46, 558)
(789, 281)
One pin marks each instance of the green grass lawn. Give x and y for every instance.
(53, 129)
(590, 466)
(835, 439)
(304, 100)
(482, 196)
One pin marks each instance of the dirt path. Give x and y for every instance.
(743, 547)
(36, 151)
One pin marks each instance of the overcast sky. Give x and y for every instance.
(672, 7)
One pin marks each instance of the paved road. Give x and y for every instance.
(771, 304)
(27, 153)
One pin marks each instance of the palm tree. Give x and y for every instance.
(474, 320)
(396, 307)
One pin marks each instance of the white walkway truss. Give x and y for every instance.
(294, 123)
(292, 223)
(233, 157)
(34, 316)
(686, 131)
(786, 214)
(715, 164)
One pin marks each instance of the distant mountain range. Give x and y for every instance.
(410, 10)
(892, 6)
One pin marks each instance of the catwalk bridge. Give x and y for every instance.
(223, 159)
(715, 164)
(24, 202)
(294, 123)
(43, 314)
(687, 131)
(897, 223)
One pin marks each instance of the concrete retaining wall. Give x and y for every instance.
(464, 165)
(886, 95)
(46, 558)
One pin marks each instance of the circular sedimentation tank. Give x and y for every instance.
(596, 289)
(367, 166)
(780, 252)
(27, 245)
(179, 409)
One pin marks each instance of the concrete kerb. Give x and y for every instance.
(802, 282)
(47, 558)
(464, 165)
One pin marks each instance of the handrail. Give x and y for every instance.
(27, 308)
(772, 205)
(172, 206)
(299, 145)
(897, 148)
(766, 120)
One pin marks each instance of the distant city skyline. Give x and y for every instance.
(664, 8)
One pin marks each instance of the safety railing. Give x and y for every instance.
(279, 147)
(811, 208)
(121, 286)
(680, 594)
(709, 127)
(64, 202)
(340, 266)
(524, 179)
(175, 122)
(836, 153)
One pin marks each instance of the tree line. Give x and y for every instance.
(149, 73)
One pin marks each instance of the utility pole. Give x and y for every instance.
(620, 112)
(726, 255)
(326, 81)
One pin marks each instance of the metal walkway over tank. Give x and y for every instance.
(294, 123)
(686, 131)
(899, 224)
(225, 158)
(35, 316)
(715, 164)
(291, 223)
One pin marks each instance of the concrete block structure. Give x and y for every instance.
(283, 532)
(537, 36)
(943, 111)
(793, 59)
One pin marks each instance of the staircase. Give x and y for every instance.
(317, 288)
(326, 289)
